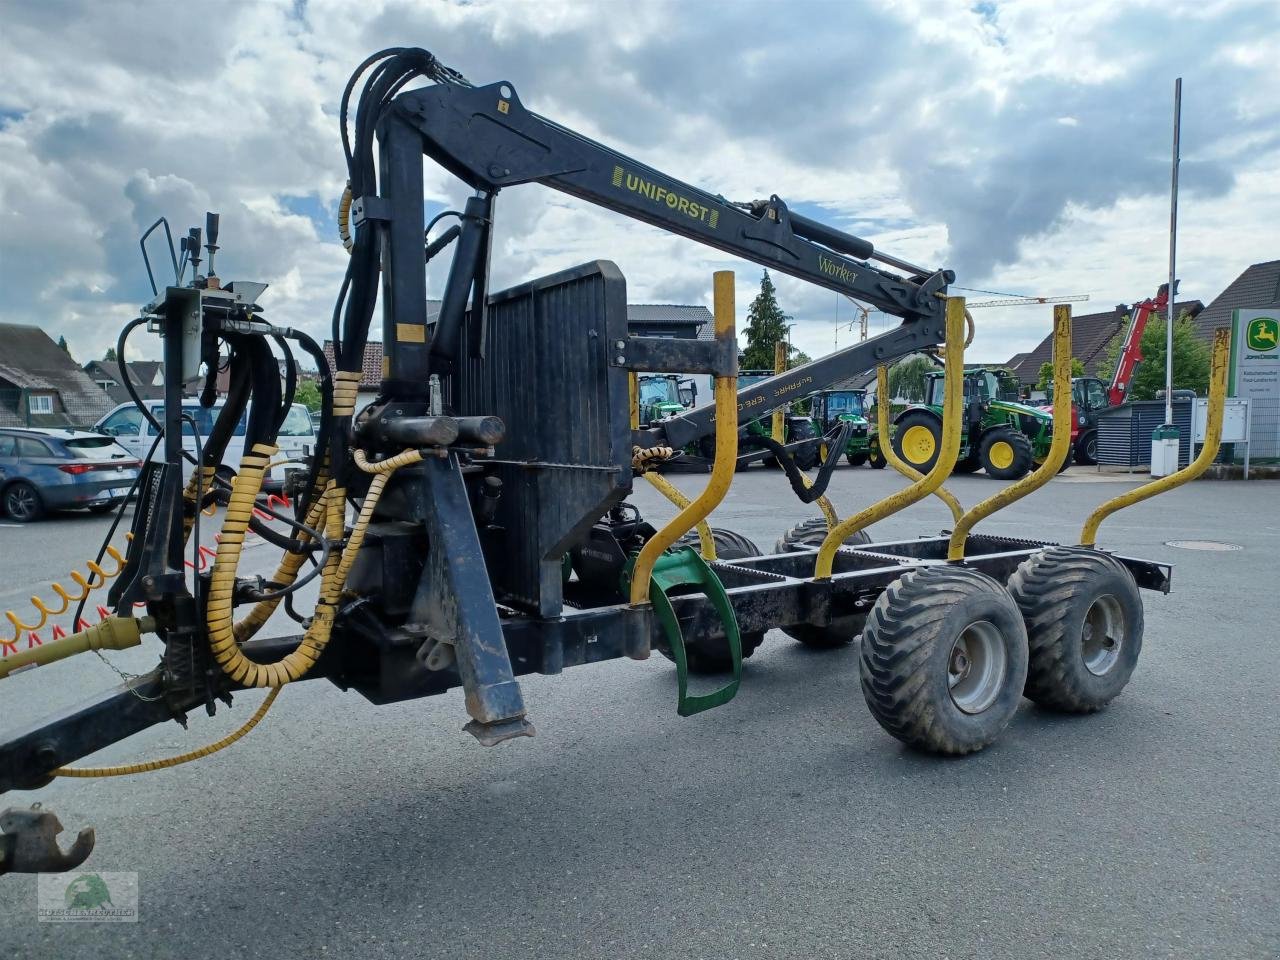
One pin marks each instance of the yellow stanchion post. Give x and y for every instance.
(1212, 440)
(1058, 449)
(890, 455)
(953, 401)
(722, 469)
(778, 425)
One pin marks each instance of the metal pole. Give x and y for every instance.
(1170, 310)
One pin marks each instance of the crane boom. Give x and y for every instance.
(1131, 352)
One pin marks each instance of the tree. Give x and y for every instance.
(308, 394)
(110, 355)
(1191, 358)
(907, 378)
(766, 326)
(1046, 372)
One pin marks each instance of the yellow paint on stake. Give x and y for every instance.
(722, 470)
(1058, 449)
(1212, 439)
(891, 456)
(778, 431)
(953, 400)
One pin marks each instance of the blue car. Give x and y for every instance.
(47, 469)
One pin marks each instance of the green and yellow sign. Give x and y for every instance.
(1262, 333)
(1255, 373)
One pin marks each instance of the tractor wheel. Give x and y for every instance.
(1005, 453)
(969, 464)
(876, 459)
(918, 440)
(806, 456)
(944, 659)
(856, 459)
(808, 535)
(1087, 448)
(1084, 626)
(713, 656)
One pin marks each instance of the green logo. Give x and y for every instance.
(1263, 333)
(88, 892)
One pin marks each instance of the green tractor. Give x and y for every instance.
(830, 409)
(999, 435)
(661, 395)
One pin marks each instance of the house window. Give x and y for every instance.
(39, 403)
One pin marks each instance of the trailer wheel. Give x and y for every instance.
(944, 659)
(1084, 625)
(918, 440)
(713, 656)
(1087, 449)
(1006, 453)
(808, 535)
(856, 459)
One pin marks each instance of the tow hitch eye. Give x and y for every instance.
(29, 844)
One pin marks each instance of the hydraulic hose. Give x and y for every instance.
(146, 766)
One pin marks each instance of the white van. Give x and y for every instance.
(133, 432)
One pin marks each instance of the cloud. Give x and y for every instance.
(1006, 141)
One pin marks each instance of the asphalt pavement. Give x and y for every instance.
(785, 824)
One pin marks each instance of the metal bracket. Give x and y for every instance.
(661, 355)
(29, 844)
(370, 208)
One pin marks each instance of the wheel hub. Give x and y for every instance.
(1102, 635)
(1001, 454)
(976, 667)
(918, 444)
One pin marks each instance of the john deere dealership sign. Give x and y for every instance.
(1255, 373)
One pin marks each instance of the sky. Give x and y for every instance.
(1025, 145)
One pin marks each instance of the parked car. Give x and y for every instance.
(134, 432)
(47, 469)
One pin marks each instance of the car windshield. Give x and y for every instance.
(90, 448)
(659, 390)
(297, 423)
(846, 403)
(1007, 387)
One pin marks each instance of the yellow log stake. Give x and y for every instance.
(891, 456)
(778, 431)
(1212, 438)
(633, 398)
(1058, 449)
(706, 541)
(952, 408)
(722, 470)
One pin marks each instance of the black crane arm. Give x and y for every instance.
(486, 137)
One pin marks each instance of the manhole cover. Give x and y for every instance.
(1220, 545)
